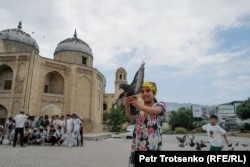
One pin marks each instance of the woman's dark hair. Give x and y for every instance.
(155, 100)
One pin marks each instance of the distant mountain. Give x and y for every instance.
(173, 106)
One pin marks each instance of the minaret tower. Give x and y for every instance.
(120, 78)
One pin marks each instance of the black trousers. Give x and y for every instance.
(81, 137)
(1, 139)
(55, 140)
(25, 139)
(18, 131)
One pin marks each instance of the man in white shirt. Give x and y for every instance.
(69, 130)
(19, 128)
(76, 129)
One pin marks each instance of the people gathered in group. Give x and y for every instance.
(43, 131)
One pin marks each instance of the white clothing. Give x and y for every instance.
(20, 120)
(8, 123)
(214, 134)
(56, 123)
(69, 124)
(76, 132)
(62, 124)
(69, 138)
(77, 124)
(59, 134)
(75, 136)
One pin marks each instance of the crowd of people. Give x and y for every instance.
(26, 130)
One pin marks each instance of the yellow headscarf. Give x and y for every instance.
(150, 85)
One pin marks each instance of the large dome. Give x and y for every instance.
(18, 35)
(73, 44)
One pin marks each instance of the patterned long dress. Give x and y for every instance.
(147, 135)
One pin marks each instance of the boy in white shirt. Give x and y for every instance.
(35, 136)
(214, 133)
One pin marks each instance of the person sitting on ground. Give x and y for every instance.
(50, 133)
(42, 136)
(35, 136)
(58, 137)
(27, 133)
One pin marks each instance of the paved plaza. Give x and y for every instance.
(100, 152)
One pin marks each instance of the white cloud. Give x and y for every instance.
(177, 39)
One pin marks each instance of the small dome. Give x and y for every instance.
(121, 70)
(73, 44)
(18, 35)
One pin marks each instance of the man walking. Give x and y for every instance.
(19, 129)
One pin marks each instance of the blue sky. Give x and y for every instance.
(196, 51)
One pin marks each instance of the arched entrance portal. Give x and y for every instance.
(3, 115)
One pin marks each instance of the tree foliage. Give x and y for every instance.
(183, 117)
(243, 110)
(114, 119)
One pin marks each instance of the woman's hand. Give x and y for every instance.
(129, 100)
(132, 100)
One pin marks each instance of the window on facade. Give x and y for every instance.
(105, 106)
(46, 88)
(9, 75)
(6, 76)
(7, 84)
(84, 60)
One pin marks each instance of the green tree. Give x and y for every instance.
(183, 117)
(114, 119)
(243, 110)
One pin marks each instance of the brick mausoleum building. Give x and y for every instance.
(63, 85)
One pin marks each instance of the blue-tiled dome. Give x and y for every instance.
(73, 44)
(18, 35)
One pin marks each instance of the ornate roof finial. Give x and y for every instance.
(19, 25)
(75, 35)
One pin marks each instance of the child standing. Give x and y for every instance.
(214, 133)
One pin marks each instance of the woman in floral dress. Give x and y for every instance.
(147, 135)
